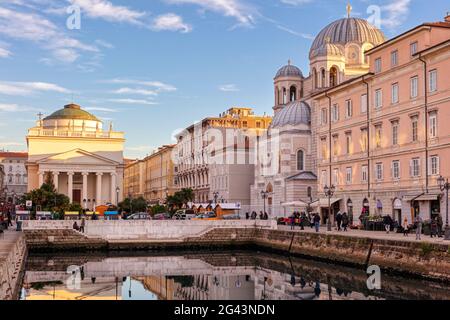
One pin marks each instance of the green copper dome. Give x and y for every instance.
(72, 111)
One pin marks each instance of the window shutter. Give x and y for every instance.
(438, 165)
(399, 170)
(411, 168)
(392, 169)
(419, 167)
(430, 166)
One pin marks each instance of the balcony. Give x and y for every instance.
(40, 132)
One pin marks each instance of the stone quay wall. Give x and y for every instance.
(13, 252)
(417, 259)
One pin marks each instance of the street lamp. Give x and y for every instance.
(329, 192)
(117, 196)
(264, 195)
(445, 185)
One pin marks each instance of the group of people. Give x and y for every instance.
(303, 219)
(5, 220)
(80, 227)
(436, 226)
(254, 216)
(342, 221)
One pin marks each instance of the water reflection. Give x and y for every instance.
(208, 276)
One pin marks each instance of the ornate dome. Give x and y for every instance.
(347, 30)
(72, 112)
(294, 113)
(289, 70)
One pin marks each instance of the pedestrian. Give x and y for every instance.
(82, 225)
(247, 215)
(9, 216)
(345, 221)
(254, 215)
(440, 224)
(405, 227)
(266, 216)
(387, 223)
(303, 218)
(261, 215)
(316, 220)
(339, 220)
(75, 226)
(418, 225)
(94, 216)
(292, 218)
(433, 228)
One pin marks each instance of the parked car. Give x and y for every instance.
(210, 215)
(184, 215)
(162, 216)
(232, 216)
(139, 216)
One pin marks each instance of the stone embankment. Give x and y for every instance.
(13, 252)
(417, 259)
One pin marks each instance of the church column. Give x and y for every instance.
(41, 178)
(113, 189)
(85, 185)
(70, 186)
(55, 180)
(99, 189)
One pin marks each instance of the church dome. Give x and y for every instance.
(347, 30)
(72, 112)
(289, 70)
(295, 113)
(328, 49)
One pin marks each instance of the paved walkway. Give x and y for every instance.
(7, 240)
(382, 235)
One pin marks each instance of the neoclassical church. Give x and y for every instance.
(84, 160)
(286, 174)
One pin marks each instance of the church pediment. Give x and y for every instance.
(77, 157)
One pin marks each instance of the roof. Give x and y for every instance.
(72, 111)
(289, 70)
(295, 113)
(13, 155)
(348, 30)
(305, 175)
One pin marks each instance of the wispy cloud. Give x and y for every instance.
(4, 52)
(295, 33)
(9, 107)
(101, 109)
(170, 22)
(27, 88)
(157, 85)
(143, 92)
(395, 13)
(133, 101)
(237, 9)
(295, 2)
(10, 144)
(228, 88)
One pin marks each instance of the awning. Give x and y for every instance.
(421, 197)
(294, 204)
(323, 203)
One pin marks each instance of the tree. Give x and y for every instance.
(180, 198)
(135, 205)
(48, 199)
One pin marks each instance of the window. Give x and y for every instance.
(348, 109)
(335, 145)
(433, 124)
(394, 93)
(394, 58)
(396, 170)
(378, 136)
(364, 139)
(323, 142)
(379, 171)
(377, 65)
(324, 116)
(433, 80)
(244, 124)
(413, 48)
(415, 167)
(335, 113)
(434, 165)
(348, 143)
(336, 177)
(348, 175)
(378, 98)
(395, 126)
(258, 124)
(415, 129)
(364, 173)
(364, 103)
(323, 178)
(300, 160)
(414, 87)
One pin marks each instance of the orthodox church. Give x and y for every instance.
(286, 170)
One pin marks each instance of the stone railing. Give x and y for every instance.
(167, 230)
(41, 132)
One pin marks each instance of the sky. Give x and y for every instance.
(153, 67)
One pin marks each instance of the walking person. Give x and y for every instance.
(345, 221)
(292, 221)
(405, 227)
(247, 215)
(9, 216)
(266, 216)
(387, 221)
(433, 228)
(254, 215)
(418, 225)
(303, 218)
(261, 215)
(339, 220)
(316, 221)
(440, 224)
(82, 225)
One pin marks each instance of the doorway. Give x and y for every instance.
(76, 196)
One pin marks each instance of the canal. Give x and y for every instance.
(208, 276)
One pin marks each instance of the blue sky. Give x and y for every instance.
(155, 66)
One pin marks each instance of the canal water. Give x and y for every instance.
(208, 276)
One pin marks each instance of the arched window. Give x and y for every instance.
(315, 78)
(300, 160)
(333, 77)
(323, 78)
(309, 192)
(292, 94)
(284, 96)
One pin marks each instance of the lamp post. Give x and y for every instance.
(131, 203)
(117, 196)
(329, 192)
(445, 185)
(264, 195)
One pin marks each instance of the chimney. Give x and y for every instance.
(447, 18)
